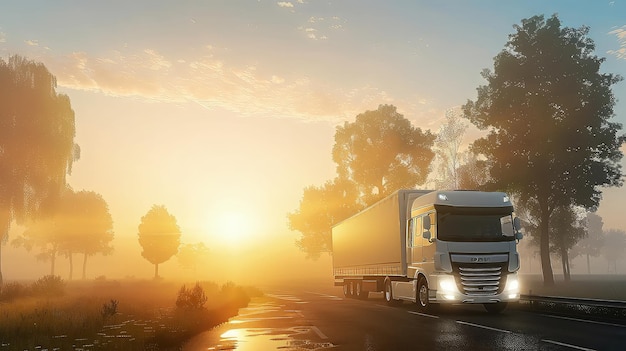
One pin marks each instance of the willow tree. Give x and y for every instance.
(36, 141)
(159, 236)
(547, 109)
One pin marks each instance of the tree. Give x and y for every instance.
(592, 243)
(320, 209)
(567, 229)
(43, 235)
(81, 222)
(36, 141)
(382, 152)
(88, 225)
(547, 109)
(159, 236)
(614, 246)
(191, 255)
(447, 151)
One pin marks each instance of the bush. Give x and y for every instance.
(12, 291)
(194, 298)
(49, 285)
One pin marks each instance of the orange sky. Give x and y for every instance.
(228, 109)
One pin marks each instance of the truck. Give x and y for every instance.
(431, 247)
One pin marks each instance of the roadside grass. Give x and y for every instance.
(111, 315)
(590, 286)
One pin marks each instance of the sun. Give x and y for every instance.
(231, 227)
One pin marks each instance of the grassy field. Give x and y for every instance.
(110, 315)
(605, 287)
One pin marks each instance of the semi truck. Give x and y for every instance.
(431, 247)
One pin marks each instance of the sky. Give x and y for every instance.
(224, 111)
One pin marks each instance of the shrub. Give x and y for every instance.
(109, 309)
(49, 285)
(12, 291)
(194, 298)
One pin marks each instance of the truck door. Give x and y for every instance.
(429, 246)
(416, 233)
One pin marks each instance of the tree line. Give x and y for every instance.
(37, 151)
(549, 140)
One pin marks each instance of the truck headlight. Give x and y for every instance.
(512, 284)
(447, 284)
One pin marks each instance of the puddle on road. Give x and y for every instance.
(252, 339)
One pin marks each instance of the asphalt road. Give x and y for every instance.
(324, 320)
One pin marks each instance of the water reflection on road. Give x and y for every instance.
(267, 324)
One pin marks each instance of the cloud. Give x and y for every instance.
(212, 82)
(208, 78)
(32, 42)
(285, 4)
(620, 33)
(317, 27)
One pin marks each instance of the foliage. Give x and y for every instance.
(382, 152)
(192, 298)
(81, 223)
(448, 153)
(49, 285)
(159, 236)
(592, 243)
(13, 290)
(109, 309)
(614, 247)
(191, 255)
(567, 229)
(142, 319)
(547, 109)
(321, 208)
(36, 138)
(377, 154)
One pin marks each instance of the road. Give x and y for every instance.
(323, 320)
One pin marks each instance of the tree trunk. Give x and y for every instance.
(156, 271)
(1, 281)
(71, 266)
(5, 224)
(565, 263)
(85, 267)
(53, 257)
(588, 266)
(544, 245)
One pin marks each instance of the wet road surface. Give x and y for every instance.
(292, 321)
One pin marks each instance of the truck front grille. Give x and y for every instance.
(480, 279)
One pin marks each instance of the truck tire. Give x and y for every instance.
(421, 295)
(495, 308)
(359, 292)
(347, 289)
(389, 294)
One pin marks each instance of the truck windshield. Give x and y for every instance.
(475, 227)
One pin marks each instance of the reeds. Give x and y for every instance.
(111, 315)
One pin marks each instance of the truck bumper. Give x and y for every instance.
(448, 292)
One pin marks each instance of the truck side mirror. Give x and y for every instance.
(426, 235)
(517, 225)
(426, 222)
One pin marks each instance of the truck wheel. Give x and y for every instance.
(389, 294)
(359, 292)
(421, 295)
(347, 289)
(495, 308)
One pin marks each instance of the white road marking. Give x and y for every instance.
(484, 327)
(423, 314)
(319, 332)
(567, 345)
(332, 297)
(586, 321)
